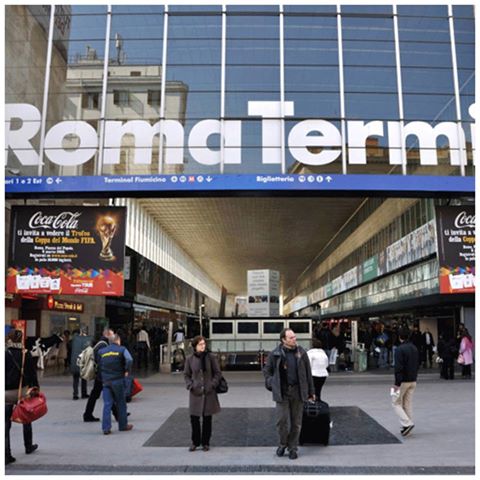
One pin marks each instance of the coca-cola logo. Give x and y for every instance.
(62, 220)
(463, 220)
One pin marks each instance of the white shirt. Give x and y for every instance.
(142, 336)
(318, 361)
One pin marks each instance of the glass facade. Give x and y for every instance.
(292, 89)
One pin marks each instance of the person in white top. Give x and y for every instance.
(319, 363)
(143, 347)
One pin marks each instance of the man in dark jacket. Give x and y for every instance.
(115, 363)
(406, 369)
(288, 376)
(97, 384)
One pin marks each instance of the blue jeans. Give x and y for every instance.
(114, 392)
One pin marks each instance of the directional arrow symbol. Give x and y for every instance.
(209, 178)
(58, 180)
(329, 179)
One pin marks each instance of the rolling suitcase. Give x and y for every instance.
(315, 423)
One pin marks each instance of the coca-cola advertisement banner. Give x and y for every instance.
(456, 248)
(67, 250)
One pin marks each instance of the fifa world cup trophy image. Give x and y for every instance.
(106, 227)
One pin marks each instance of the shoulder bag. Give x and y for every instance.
(222, 386)
(32, 406)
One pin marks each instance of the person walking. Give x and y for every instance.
(97, 384)
(115, 363)
(289, 377)
(202, 375)
(319, 364)
(428, 345)
(80, 341)
(466, 350)
(406, 370)
(142, 347)
(14, 361)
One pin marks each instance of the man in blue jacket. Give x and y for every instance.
(115, 363)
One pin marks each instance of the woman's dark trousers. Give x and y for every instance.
(318, 382)
(27, 431)
(201, 435)
(76, 380)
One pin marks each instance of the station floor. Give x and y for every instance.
(442, 442)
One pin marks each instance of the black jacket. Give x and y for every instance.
(273, 377)
(13, 365)
(406, 363)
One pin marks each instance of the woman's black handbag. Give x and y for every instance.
(222, 386)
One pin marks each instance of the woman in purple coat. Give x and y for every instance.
(202, 375)
(466, 349)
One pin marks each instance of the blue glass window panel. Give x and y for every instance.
(314, 27)
(423, 10)
(137, 27)
(236, 103)
(138, 9)
(137, 52)
(464, 30)
(424, 29)
(194, 52)
(465, 56)
(198, 78)
(361, 28)
(253, 8)
(199, 105)
(371, 106)
(368, 53)
(195, 27)
(367, 9)
(310, 9)
(172, 9)
(256, 78)
(252, 27)
(429, 107)
(312, 52)
(314, 104)
(252, 52)
(363, 79)
(415, 54)
(311, 79)
(463, 11)
(466, 81)
(427, 80)
(89, 9)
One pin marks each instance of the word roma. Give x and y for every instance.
(306, 133)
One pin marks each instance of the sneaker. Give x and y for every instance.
(127, 428)
(280, 451)
(292, 455)
(206, 448)
(31, 449)
(90, 419)
(75, 397)
(192, 448)
(107, 432)
(9, 459)
(406, 430)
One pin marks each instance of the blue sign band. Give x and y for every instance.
(315, 183)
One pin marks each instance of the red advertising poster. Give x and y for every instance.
(67, 250)
(456, 248)
(22, 326)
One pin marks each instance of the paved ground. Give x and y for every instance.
(442, 441)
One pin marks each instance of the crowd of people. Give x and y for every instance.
(293, 375)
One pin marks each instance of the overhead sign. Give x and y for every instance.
(456, 248)
(320, 135)
(67, 250)
(413, 185)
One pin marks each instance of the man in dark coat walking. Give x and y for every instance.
(289, 377)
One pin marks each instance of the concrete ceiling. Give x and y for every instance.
(228, 236)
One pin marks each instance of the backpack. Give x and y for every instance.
(86, 362)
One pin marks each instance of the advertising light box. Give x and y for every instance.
(67, 250)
